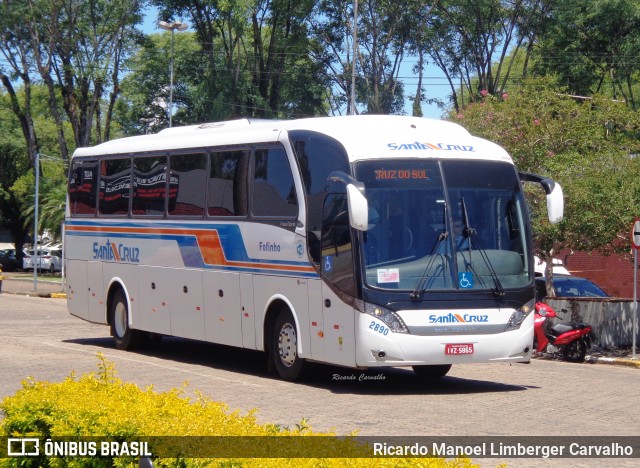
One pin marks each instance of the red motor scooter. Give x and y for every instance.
(570, 340)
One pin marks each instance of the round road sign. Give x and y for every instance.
(635, 234)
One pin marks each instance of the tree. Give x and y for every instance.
(76, 49)
(474, 42)
(585, 145)
(592, 47)
(383, 32)
(14, 165)
(15, 48)
(256, 58)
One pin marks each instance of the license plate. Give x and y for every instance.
(459, 348)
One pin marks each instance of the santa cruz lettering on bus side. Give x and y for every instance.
(119, 253)
(429, 146)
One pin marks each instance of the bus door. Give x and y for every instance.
(338, 285)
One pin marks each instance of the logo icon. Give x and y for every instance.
(300, 249)
(23, 447)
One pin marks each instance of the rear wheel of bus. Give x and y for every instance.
(123, 336)
(432, 372)
(284, 347)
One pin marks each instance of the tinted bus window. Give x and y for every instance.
(83, 181)
(115, 186)
(149, 185)
(337, 249)
(274, 192)
(187, 182)
(227, 183)
(318, 156)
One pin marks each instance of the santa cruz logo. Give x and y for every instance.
(457, 318)
(416, 145)
(110, 251)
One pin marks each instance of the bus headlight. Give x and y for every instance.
(393, 320)
(518, 316)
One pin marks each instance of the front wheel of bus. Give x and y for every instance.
(432, 372)
(284, 347)
(123, 335)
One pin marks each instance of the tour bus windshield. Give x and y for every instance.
(444, 225)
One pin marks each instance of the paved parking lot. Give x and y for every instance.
(42, 340)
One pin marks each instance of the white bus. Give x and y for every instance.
(359, 241)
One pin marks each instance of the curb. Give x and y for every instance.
(613, 361)
(595, 360)
(24, 287)
(33, 294)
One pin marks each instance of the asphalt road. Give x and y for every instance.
(40, 339)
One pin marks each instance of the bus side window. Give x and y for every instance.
(149, 185)
(187, 180)
(83, 181)
(227, 185)
(115, 186)
(274, 192)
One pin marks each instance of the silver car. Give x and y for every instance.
(46, 260)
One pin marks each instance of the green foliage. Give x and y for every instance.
(100, 404)
(591, 47)
(586, 145)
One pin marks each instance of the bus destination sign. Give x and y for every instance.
(396, 174)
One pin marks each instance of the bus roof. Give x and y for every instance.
(363, 136)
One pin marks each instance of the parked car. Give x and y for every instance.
(558, 267)
(46, 260)
(8, 260)
(569, 286)
(26, 259)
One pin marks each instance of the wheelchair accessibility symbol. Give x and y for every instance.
(328, 264)
(465, 280)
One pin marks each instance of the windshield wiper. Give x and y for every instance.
(435, 254)
(472, 236)
(422, 282)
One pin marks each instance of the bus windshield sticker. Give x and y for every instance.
(328, 263)
(465, 280)
(389, 275)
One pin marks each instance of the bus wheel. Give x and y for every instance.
(123, 336)
(284, 347)
(432, 372)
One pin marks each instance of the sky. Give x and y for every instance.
(433, 80)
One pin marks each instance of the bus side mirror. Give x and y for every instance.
(555, 204)
(555, 197)
(358, 208)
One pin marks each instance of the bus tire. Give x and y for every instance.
(284, 347)
(123, 336)
(432, 372)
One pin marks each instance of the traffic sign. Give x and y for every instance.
(635, 234)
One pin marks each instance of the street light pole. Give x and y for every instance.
(352, 101)
(35, 225)
(180, 26)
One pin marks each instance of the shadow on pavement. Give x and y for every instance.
(339, 380)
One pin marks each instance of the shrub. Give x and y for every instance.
(99, 404)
